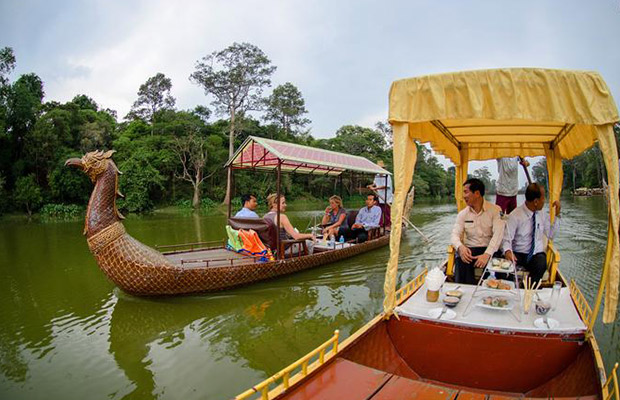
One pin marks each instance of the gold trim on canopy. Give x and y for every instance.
(488, 114)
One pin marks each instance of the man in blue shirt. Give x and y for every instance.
(367, 218)
(249, 205)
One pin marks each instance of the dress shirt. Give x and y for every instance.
(483, 229)
(518, 232)
(246, 213)
(369, 218)
(380, 182)
(508, 180)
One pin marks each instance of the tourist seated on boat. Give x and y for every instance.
(382, 185)
(368, 217)
(335, 219)
(523, 235)
(287, 231)
(249, 206)
(477, 233)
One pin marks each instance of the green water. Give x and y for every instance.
(68, 333)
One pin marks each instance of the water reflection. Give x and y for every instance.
(67, 333)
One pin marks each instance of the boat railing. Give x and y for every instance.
(174, 248)
(584, 309)
(413, 285)
(553, 262)
(294, 372)
(232, 261)
(611, 385)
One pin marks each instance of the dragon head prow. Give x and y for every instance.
(94, 163)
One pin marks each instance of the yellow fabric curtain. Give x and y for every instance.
(556, 177)
(611, 268)
(460, 178)
(405, 156)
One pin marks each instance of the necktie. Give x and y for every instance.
(533, 244)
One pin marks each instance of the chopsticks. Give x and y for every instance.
(530, 288)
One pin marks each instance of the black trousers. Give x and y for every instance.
(360, 234)
(464, 272)
(536, 267)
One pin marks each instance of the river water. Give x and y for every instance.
(66, 332)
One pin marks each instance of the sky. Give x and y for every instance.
(342, 55)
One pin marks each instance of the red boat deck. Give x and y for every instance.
(344, 379)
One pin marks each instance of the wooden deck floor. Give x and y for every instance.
(344, 379)
(219, 257)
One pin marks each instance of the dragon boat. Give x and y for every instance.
(210, 266)
(416, 350)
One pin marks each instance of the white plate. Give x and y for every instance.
(511, 284)
(490, 307)
(500, 269)
(540, 323)
(435, 312)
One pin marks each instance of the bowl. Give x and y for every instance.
(451, 301)
(454, 293)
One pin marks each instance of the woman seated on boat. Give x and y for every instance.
(287, 231)
(335, 219)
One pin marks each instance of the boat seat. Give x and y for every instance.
(265, 228)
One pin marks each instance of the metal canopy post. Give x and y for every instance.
(278, 194)
(230, 192)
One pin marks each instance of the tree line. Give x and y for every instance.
(171, 156)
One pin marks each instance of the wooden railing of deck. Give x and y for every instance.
(288, 376)
(585, 311)
(611, 385)
(413, 285)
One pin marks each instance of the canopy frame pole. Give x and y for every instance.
(561, 135)
(278, 197)
(230, 182)
(446, 132)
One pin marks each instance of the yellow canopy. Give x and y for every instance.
(487, 114)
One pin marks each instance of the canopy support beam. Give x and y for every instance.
(563, 132)
(446, 132)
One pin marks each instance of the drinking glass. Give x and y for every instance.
(555, 294)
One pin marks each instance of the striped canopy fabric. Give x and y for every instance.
(266, 154)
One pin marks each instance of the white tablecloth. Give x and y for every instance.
(566, 314)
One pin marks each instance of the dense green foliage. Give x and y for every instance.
(170, 156)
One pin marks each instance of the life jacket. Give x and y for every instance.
(253, 246)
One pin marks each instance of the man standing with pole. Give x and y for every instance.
(382, 186)
(508, 182)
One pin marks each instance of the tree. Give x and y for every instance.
(7, 64)
(28, 193)
(485, 176)
(286, 107)
(153, 96)
(192, 152)
(236, 77)
(24, 104)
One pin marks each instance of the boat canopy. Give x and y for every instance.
(267, 154)
(488, 114)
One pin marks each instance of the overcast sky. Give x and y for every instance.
(342, 55)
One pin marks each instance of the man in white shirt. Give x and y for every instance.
(523, 236)
(508, 182)
(382, 186)
(482, 227)
(249, 205)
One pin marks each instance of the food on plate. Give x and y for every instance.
(496, 262)
(495, 301)
(454, 293)
(506, 264)
(451, 301)
(497, 284)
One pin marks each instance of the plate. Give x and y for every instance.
(500, 269)
(509, 283)
(448, 315)
(490, 307)
(540, 324)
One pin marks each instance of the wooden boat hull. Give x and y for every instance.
(122, 264)
(383, 364)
